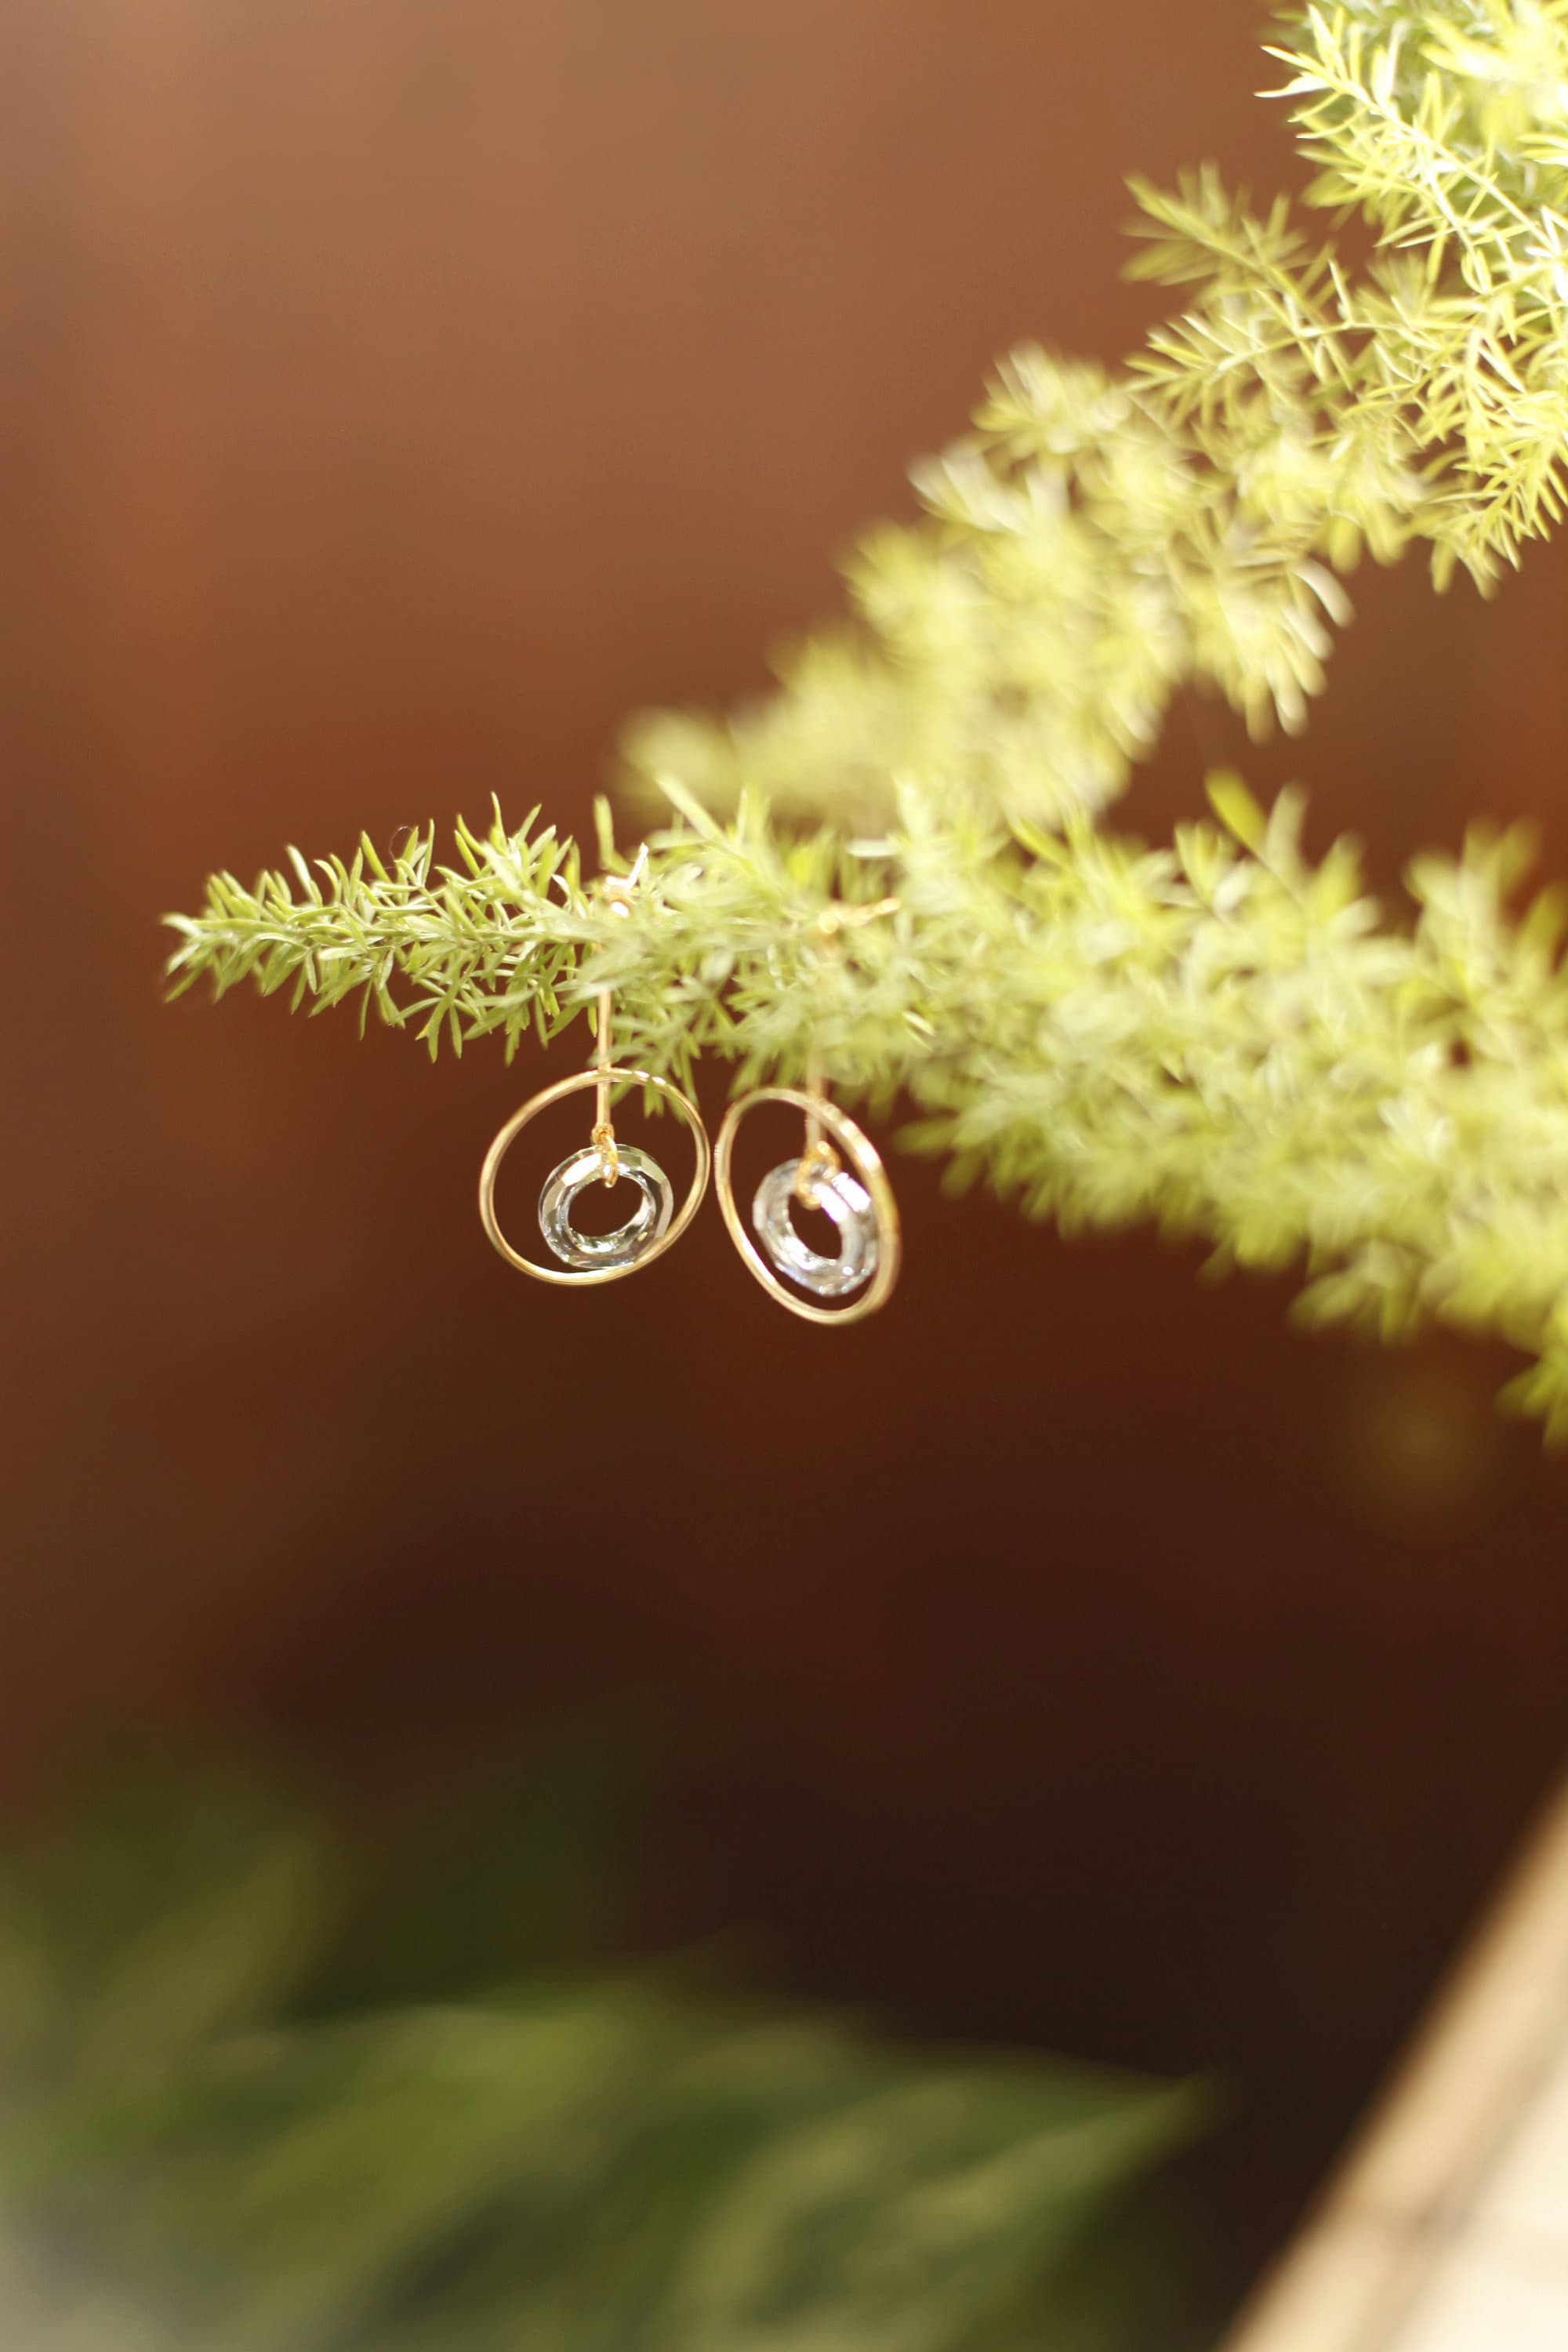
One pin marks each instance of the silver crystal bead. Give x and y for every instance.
(844, 1199)
(645, 1225)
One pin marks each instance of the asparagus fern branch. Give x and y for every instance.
(1100, 540)
(1219, 1035)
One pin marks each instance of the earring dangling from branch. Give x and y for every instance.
(654, 1224)
(858, 1199)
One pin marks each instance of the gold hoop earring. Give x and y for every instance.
(653, 1226)
(857, 1198)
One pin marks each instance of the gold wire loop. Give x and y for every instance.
(603, 1134)
(817, 1161)
(579, 1081)
(865, 1160)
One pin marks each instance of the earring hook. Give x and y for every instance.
(618, 889)
(819, 1159)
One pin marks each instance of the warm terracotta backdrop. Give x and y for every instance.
(396, 390)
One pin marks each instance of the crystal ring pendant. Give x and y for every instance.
(845, 1201)
(628, 1242)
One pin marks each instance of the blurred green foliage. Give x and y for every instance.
(264, 2090)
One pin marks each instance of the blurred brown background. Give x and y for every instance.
(395, 391)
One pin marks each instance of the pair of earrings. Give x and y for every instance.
(857, 1197)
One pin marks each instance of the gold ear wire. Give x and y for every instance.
(618, 894)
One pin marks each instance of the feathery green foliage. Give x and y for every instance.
(1099, 541)
(203, 2149)
(1219, 1035)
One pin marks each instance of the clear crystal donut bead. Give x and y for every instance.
(646, 1225)
(844, 1199)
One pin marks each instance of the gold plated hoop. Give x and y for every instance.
(866, 1160)
(602, 1078)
